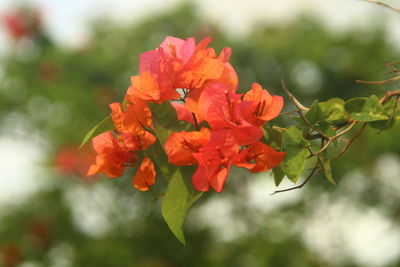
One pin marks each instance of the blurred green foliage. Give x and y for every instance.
(64, 93)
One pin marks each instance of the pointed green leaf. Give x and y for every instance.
(166, 116)
(331, 111)
(105, 125)
(312, 113)
(278, 175)
(296, 148)
(327, 129)
(355, 104)
(326, 165)
(180, 195)
(157, 152)
(389, 109)
(366, 109)
(273, 138)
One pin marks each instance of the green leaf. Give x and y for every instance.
(278, 175)
(326, 165)
(355, 104)
(273, 137)
(179, 197)
(327, 129)
(331, 111)
(296, 148)
(157, 152)
(388, 108)
(105, 125)
(366, 109)
(166, 116)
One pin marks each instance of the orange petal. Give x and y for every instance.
(264, 107)
(133, 120)
(145, 176)
(180, 146)
(147, 140)
(145, 87)
(259, 157)
(117, 115)
(137, 117)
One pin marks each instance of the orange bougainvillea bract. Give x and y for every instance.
(222, 128)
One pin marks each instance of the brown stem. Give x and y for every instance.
(350, 142)
(195, 122)
(379, 82)
(383, 4)
(333, 138)
(302, 184)
(389, 95)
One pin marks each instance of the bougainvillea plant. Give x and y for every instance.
(182, 119)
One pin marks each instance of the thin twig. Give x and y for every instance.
(353, 123)
(302, 184)
(389, 95)
(323, 148)
(333, 138)
(379, 82)
(391, 67)
(278, 128)
(383, 4)
(350, 142)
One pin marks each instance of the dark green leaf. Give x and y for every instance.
(326, 165)
(278, 175)
(103, 126)
(179, 197)
(355, 104)
(165, 115)
(388, 108)
(273, 137)
(296, 148)
(327, 129)
(158, 154)
(331, 111)
(366, 110)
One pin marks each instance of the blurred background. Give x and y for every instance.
(63, 62)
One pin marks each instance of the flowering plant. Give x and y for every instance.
(182, 111)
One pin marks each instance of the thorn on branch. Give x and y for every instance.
(300, 109)
(291, 96)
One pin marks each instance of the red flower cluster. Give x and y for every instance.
(114, 153)
(201, 86)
